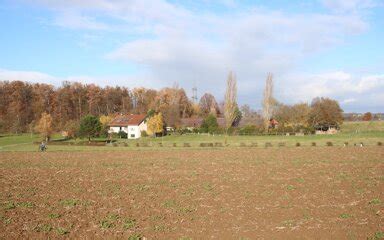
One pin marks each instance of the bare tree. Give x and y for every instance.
(230, 104)
(268, 100)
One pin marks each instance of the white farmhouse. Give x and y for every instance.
(132, 124)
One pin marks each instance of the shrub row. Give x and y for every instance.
(205, 144)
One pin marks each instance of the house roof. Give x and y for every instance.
(125, 120)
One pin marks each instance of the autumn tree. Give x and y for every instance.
(268, 101)
(90, 126)
(21, 103)
(44, 126)
(143, 99)
(230, 101)
(367, 116)
(174, 104)
(208, 105)
(78, 97)
(18, 112)
(294, 116)
(195, 109)
(250, 116)
(42, 100)
(283, 114)
(105, 120)
(325, 112)
(71, 128)
(155, 124)
(65, 106)
(300, 114)
(95, 99)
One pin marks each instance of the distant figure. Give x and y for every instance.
(42, 147)
(361, 144)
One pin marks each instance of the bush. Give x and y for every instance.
(329, 144)
(379, 144)
(313, 144)
(122, 134)
(286, 129)
(144, 134)
(90, 126)
(249, 130)
(209, 124)
(206, 144)
(182, 131)
(104, 133)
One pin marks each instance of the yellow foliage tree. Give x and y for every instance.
(155, 124)
(44, 126)
(105, 120)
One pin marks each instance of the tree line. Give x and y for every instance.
(23, 105)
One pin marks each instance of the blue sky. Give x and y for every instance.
(330, 48)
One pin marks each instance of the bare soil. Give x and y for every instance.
(234, 193)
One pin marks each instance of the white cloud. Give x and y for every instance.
(75, 20)
(31, 76)
(40, 77)
(348, 5)
(203, 48)
(175, 44)
(366, 90)
(348, 100)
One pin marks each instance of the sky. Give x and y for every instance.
(313, 48)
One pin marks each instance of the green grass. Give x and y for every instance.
(69, 202)
(62, 231)
(375, 201)
(54, 215)
(129, 223)
(345, 215)
(363, 127)
(370, 133)
(43, 228)
(17, 139)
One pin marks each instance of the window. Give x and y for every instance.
(132, 135)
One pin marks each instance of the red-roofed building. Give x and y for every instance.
(132, 124)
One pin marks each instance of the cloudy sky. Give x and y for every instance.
(332, 48)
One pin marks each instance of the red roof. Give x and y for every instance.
(125, 120)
